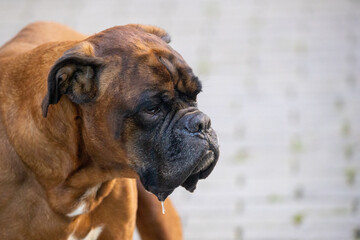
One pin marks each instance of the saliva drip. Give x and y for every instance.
(163, 207)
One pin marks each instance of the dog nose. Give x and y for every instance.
(199, 122)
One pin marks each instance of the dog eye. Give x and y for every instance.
(152, 110)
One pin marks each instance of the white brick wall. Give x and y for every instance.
(282, 85)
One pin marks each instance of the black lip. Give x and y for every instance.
(205, 162)
(206, 172)
(189, 184)
(161, 194)
(191, 181)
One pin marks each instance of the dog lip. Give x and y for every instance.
(205, 162)
(163, 195)
(206, 172)
(209, 158)
(190, 182)
(160, 193)
(202, 170)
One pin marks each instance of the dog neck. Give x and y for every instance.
(52, 148)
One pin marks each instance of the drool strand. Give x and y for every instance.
(163, 207)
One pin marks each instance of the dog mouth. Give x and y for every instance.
(205, 162)
(201, 171)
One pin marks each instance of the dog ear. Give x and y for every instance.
(75, 75)
(161, 33)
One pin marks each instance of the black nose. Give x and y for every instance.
(198, 122)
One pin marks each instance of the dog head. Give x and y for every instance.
(137, 101)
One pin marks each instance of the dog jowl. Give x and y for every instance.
(137, 100)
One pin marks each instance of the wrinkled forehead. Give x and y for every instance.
(123, 40)
(145, 63)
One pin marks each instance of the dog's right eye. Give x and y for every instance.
(152, 110)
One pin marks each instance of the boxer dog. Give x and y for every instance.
(82, 118)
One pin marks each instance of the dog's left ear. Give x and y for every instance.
(75, 75)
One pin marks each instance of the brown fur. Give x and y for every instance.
(45, 168)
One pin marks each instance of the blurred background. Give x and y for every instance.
(282, 85)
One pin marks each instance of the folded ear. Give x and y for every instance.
(161, 33)
(74, 74)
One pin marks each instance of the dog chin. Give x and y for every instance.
(201, 171)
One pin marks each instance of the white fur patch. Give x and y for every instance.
(91, 191)
(92, 235)
(78, 211)
(82, 207)
(72, 237)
